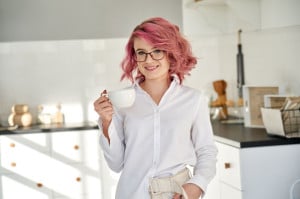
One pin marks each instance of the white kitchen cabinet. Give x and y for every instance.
(76, 157)
(22, 157)
(60, 165)
(255, 172)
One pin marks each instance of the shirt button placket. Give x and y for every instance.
(156, 138)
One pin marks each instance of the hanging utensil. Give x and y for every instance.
(240, 68)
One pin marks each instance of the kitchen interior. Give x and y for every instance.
(56, 58)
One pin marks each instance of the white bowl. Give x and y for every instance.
(122, 98)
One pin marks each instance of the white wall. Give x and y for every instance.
(270, 40)
(270, 58)
(73, 72)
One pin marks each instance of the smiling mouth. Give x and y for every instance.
(151, 68)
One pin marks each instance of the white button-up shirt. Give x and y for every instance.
(149, 140)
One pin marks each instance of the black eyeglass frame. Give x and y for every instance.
(149, 53)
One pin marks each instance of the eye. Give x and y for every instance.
(157, 51)
(140, 53)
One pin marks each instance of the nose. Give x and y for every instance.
(149, 57)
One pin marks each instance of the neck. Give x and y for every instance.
(156, 88)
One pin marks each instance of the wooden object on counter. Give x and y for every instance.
(20, 116)
(220, 88)
(19, 108)
(240, 102)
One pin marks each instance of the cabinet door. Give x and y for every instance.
(92, 168)
(228, 172)
(229, 165)
(76, 162)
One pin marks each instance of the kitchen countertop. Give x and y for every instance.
(43, 128)
(235, 135)
(239, 136)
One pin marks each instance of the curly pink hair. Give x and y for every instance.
(165, 36)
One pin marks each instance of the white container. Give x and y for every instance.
(281, 123)
(122, 98)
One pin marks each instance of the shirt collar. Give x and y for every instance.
(174, 77)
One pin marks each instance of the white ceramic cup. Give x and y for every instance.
(122, 98)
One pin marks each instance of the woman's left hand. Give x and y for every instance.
(192, 191)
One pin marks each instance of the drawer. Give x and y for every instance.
(19, 155)
(67, 146)
(67, 180)
(76, 147)
(75, 181)
(39, 142)
(229, 165)
(15, 186)
(27, 164)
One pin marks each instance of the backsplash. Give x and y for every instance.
(74, 72)
(71, 72)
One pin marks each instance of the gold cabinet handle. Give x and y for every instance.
(13, 164)
(227, 165)
(76, 147)
(78, 179)
(39, 184)
(12, 145)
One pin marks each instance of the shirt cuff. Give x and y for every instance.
(102, 139)
(200, 182)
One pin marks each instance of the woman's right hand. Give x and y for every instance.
(104, 108)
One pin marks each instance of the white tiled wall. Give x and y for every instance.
(270, 58)
(270, 39)
(74, 72)
(71, 72)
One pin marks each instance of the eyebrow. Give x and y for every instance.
(141, 49)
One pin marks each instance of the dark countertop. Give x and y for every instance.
(235, 135)
(43, 128)
(242, 137)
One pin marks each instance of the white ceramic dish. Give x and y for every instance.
(122, 98)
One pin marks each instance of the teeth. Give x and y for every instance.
(151, 67)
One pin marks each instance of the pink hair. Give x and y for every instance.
(165, 36)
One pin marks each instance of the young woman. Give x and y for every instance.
(168, 126)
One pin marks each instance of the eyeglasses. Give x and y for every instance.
(141, 56)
